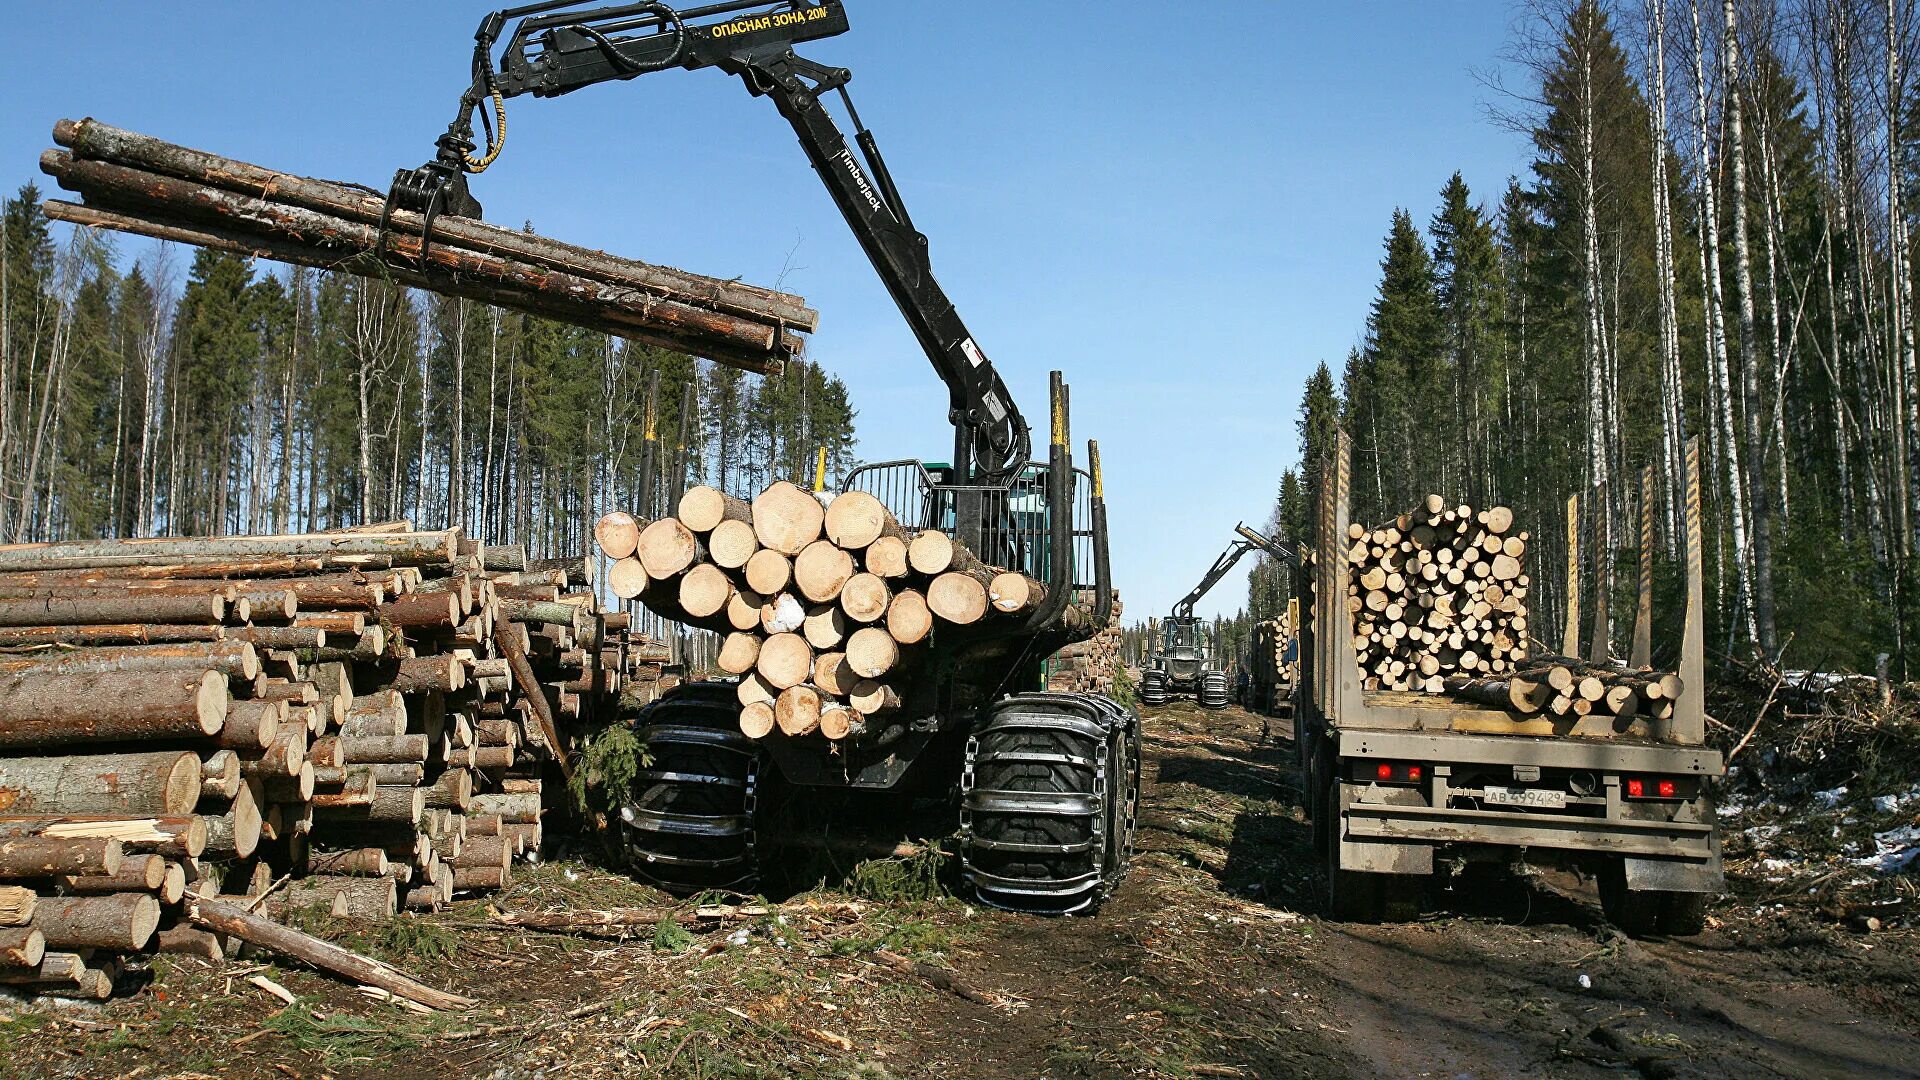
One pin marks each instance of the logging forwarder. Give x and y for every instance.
(1181, 664)
(1046, 783)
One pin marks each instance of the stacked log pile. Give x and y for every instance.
(1089, 667)
(142, 185)
(365, 713)
(824, 610)
(1437, 593)
(1272, 638)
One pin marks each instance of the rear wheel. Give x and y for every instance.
(1684, 914)
(1358, 896)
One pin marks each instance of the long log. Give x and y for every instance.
(865, 597)
(92, 139)
(51, 710)
(617, 534)
(703, 508)
(136, 873)
(787, 518)
(119, 921)
(39, 856)
(455, 271)
(227, 919)
(156, 784)
(415, 549)
(235, 659)
(855, 519)
(731, 544)
(821, 570)
(181, 836)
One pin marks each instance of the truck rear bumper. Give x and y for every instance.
(1562, 832)
(1601, 755)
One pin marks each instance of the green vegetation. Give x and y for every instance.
(248, 398)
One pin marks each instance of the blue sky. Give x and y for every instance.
(1180, 205)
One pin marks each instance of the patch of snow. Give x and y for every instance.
(1895, 850)
(1830, 798)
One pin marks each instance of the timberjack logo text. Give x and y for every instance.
(756, 23)
(860, 179)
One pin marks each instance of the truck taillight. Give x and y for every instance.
(1657, 787)
(1392, 772)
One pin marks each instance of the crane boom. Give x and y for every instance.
(1249, 540)
(560, 46)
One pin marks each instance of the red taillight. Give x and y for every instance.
(1384, 771)
(1636, 789)
(1413, 772)
(1667, 789)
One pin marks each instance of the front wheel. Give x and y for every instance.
(1049, 796)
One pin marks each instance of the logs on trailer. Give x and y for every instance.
(351, 761)
(1089, 667)
(823, 611)
(1438, 602)
(142, 185)
(1436, 593)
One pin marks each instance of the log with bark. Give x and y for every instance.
(142, 185)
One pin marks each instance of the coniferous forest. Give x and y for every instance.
(1715, 238)
(193, 392)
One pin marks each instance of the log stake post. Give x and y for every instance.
(1570, 638)
(1640, 655)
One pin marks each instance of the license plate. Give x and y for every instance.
(1527, 796)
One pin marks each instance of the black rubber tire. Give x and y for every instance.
(1018, 803)
(1355, 897)
(688, 828)
(1635, 912)
(1683, 914)
(1319, 779)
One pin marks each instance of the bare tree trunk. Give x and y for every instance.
(1716, 320)
(1760, 618)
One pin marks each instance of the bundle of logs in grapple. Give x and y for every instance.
(138, 184)
(824, 609)
(1437, 593)
(355, 721)
(1088, 667)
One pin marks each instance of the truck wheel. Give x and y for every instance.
(1684, 914)
(1355, 897)
(1635, 911)
(1325, 808)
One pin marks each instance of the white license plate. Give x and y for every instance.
(1526, 796)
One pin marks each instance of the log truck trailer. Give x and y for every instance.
(1401, 785)
(1047, 783)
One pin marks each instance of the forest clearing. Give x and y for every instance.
(437, 641)
(1231, 969)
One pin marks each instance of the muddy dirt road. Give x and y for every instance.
(1213, 961)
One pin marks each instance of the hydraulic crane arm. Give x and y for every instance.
(1249, 540)
(561, 46)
